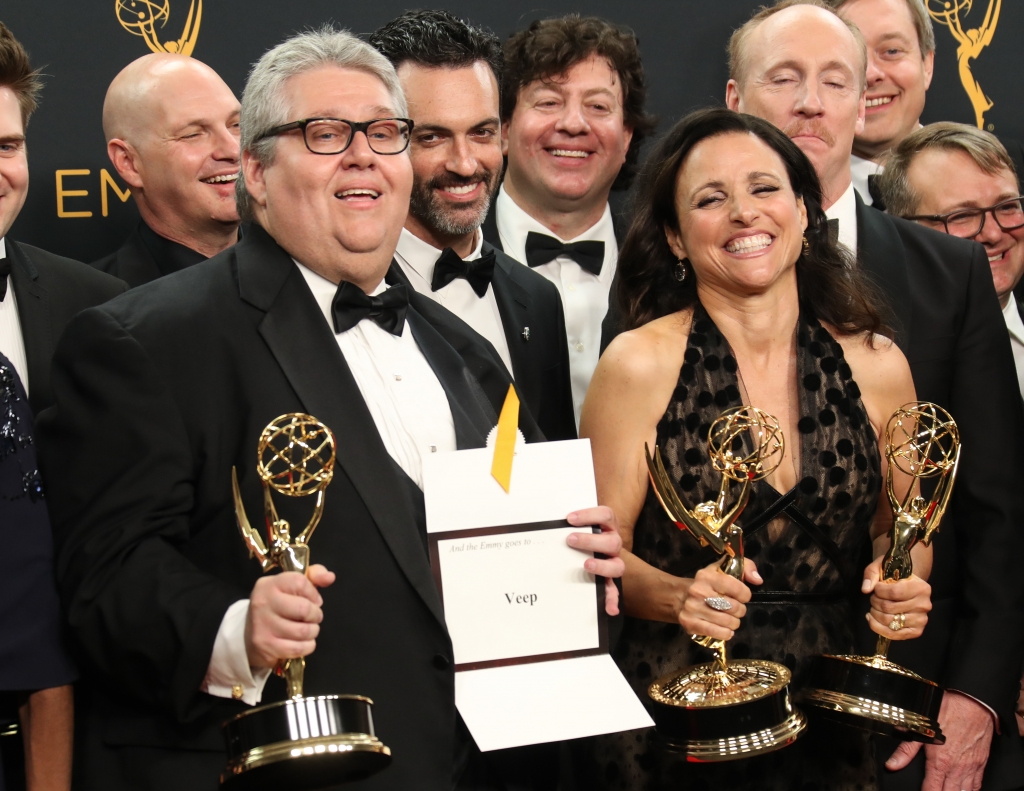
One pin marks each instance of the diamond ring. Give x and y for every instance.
(718, 603)
(898, 622)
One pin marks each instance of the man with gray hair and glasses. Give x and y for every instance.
(160, 394)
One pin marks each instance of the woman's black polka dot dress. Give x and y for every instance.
(805, 606)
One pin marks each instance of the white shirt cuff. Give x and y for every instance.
(989, 709)
(229, 674)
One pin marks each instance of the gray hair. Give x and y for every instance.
(922, 23)
(265, 102)
(982, 147)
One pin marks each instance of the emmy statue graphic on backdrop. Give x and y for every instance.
(140, 18)
(724, 710)
(972, 41)
(302, 743)
(871, 692)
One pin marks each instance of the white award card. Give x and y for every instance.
(510, 595)
(516, 597)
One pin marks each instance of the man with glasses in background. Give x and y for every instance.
(961, 180)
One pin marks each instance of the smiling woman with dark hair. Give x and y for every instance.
(736, 294)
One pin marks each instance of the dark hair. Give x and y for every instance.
(550, 47)
(437, 38)
(16, 73)
(831, 287)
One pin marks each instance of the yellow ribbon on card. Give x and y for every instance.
(505, 442)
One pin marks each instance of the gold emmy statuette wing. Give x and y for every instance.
(141, 18)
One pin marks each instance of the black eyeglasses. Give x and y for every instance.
(968, 223)
(334, 135)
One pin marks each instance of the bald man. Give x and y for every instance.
(171, 125)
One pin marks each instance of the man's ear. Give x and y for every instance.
(732, 96)
(675, 242)
(126, 162)
(504, 138)
(929, 68)
(255, 173)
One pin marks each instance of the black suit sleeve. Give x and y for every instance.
(987, 646)
(119, 469)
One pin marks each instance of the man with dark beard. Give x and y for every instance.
(450, 72)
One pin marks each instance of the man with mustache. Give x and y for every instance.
(450, 73)
(171, 125)
(802, 67)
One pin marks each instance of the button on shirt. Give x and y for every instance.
(1011, 315)
(411, 413)
(584, 295)
(12, 342)
(417, 259)
(845, 210)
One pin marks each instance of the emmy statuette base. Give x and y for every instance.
(874, 694)
(709, 714)
(303, 744)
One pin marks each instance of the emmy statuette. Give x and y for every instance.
(302, 743)
(871, 692)
(723, 710)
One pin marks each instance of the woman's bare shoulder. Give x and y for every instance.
(881, 371)
(639, 368)
(645, 351)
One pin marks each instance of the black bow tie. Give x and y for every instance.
(351, 305)
(5, 271)
(477, 273)
(833, 230)
(875, 192)
(541, 249)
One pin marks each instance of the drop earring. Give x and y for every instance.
(807, 246)
(682, 269)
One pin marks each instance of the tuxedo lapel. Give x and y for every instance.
(34, 317)
(880, 253)
(490, 227)
(303, 345)
(470, 408)
(514, 308)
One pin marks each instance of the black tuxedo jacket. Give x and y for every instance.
(610, 325)
(158, 395)
(540, 357)
(954, 337)
(50, 290)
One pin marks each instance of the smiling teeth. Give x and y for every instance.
(992, 258)
(564, 152)
(879, 101)
(749, 244)
(221, 179)
(371, 193)
(465, 189)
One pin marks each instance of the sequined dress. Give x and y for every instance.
(807, 605)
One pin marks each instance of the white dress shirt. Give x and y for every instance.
(1011, 315)
(845, 210)
(860, 169)
(584, 295)
(411, 412)
(12, 342)
(417, 259)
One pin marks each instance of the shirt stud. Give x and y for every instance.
(398, 377)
